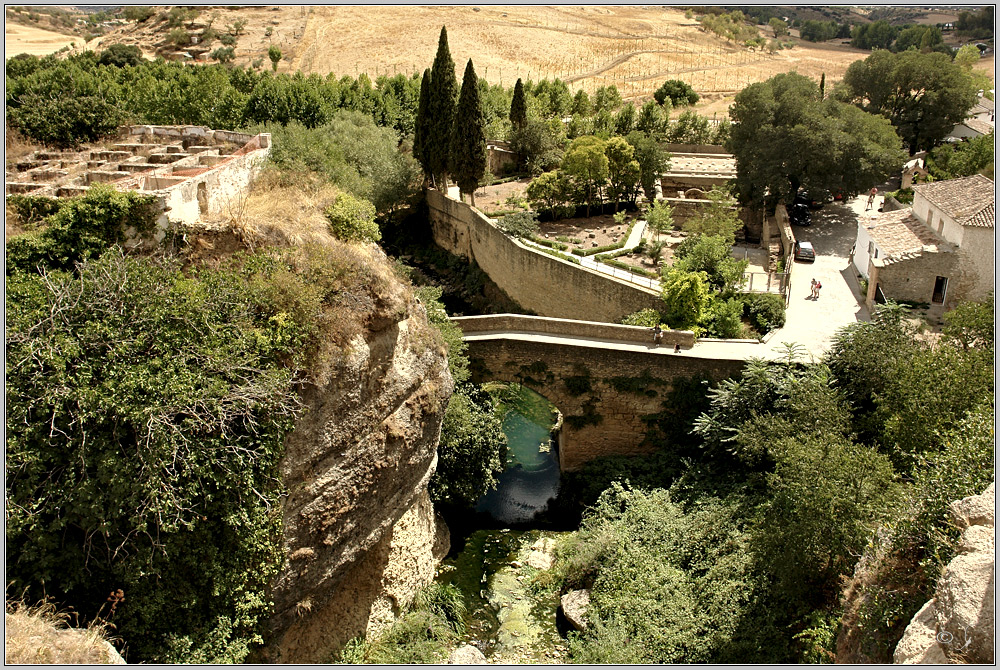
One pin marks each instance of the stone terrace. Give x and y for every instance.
(146, 158)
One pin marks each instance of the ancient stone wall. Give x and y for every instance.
(913, 278)
(602, 392)
(537, 281)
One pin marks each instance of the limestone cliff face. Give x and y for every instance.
(360, 533)
(957, 626)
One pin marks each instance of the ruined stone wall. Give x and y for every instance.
(538, 282)
(603, 393)
(975, 270)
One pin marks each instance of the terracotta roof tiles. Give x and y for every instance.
(969, 200)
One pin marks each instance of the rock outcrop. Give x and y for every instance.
(360, 531)
(466, 655)
(574, 607)
(957, 625)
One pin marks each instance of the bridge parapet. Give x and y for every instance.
(495, 323)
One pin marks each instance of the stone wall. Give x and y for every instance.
(674, 182)
(602, 392)
(694, 148)
(537, 281)
(913, 279)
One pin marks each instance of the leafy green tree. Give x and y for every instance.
(224, 54)
(660, 217)
(653, 161)
(353, 220)
(120, 55)
(971, 326)
(548, 190)
(472, 451)
(519, 224)
(518, 107)
(587, 165)
(690, 128)
(468, 137)
(444, 91)
(784, 137)
(651, 118)
(625, 119)
(723, 317)
(422, 125)
(923, 95)
(538, 145)
(685, 296)
(719, 219)
(274, 55)
(607, 98)
(179, 37)
(918, 37)
(779, 27)
(711, 254)
(967, 56)
(963, 159)
(877, 35)
(668, 584)
(137, 14)
(583, 106)
(678, 92)
(65, 122)
(623, 170)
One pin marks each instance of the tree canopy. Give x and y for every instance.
(923, 95)
(444, 91)
(785, 136)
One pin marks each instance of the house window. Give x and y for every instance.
(871, 249)
(940, 290)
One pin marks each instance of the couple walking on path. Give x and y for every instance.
(814, 290)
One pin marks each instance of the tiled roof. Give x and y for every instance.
(900, 235)
(966, 200)
(980, 126)
(984, 218)
(982, 105)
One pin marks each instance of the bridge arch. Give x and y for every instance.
(605, 379)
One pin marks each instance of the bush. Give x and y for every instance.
(685, 295)
(66, 122)
(179, 37)
(120, 55)
(678, 92)
(227, 39)
(723, 318)
(137, 13)
(171, 398)
(81, 228)
(519, 224)
(224, 54)
(644, 317)
(765, 311)
(353, 219)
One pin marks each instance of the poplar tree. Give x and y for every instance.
(444, 87)
(468, 138)
(421, 128)
(518, 107)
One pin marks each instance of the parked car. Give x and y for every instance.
(804, 251)
(798, 215)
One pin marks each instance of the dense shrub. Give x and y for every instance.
(65, 123)
(519, 224)
(120, 55)
(723, 319)
(766, 311)
(644, 317)
(79, 229)
(352, 219)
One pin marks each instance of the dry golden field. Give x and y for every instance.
(633, 47)
(18, 39)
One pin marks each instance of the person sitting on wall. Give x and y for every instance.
(657, 334)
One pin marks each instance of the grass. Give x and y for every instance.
(41, 634)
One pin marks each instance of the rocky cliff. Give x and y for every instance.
(360, 532)
(957, 625)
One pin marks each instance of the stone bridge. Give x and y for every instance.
(606, 380)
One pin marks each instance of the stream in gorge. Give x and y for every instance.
(497, 553)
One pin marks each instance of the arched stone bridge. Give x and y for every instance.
(603, 378)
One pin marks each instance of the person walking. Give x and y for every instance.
(871, 198)
(812, 288)
(819, 285)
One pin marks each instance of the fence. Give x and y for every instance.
(768, 282)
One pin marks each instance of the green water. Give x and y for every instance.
(531, 478)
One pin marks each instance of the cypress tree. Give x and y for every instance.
(444, 89)
(518, 107)
(468, 137)
(422, 129)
